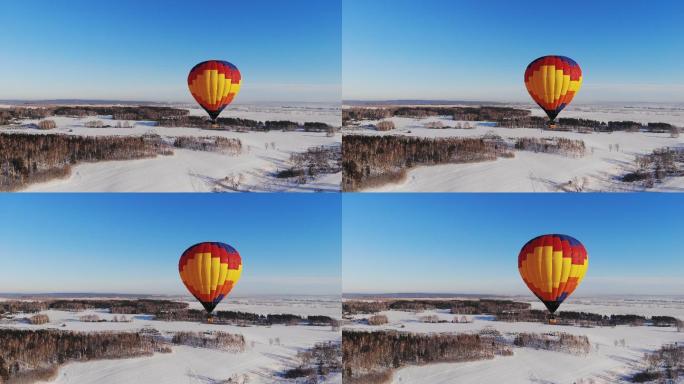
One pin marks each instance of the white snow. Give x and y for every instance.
(270, 349)
(195, 171)
(608, 155)
(606, 363)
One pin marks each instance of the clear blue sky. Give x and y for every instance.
(131, 243)
(132, 49)
(629, 50)
(469, 243)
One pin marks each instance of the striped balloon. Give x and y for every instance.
(553, 81)
(214, 84)
(210, 271)
(552, 266)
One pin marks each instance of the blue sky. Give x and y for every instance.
(131, 243)
(629, 50)
(469, 243)
(143, 50)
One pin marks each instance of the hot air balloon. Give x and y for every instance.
(210, 271)
(553, 81)
(552, 266)
(214, 84)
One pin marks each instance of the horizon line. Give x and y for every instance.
(475, 101)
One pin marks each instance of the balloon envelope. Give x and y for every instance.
(553, 81)
(214, 84)
(210, 271)
(552, 266)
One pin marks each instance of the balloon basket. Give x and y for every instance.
(553, 321)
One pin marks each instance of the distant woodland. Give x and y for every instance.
(474, 307)
(506, 310)
(164, 310)
(244, 318)
(503, 117)
(161, 116)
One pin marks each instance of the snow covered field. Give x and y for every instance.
(608, 155)
(270, 349)
(608, 362)
(195, 171)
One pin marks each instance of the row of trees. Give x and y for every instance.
(244, 318)
(487, 113)
(163, 116)
(215, 340)
(369, 356)
(556, 145)
(26, 354)
(503, 117)
(26, 158)
(369, 157)
(232, 123)
(20, 306)
(456, 306)
(120, 112)
(209, 144)
(588, 318)
(141, 306)
(559, 342)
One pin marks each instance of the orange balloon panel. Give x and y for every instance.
(552, 266)
(214, 84)
(209, 271)
(553, 81)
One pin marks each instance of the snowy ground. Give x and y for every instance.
(270, 350)
(608, 154)
(194, 171)
(606, 363)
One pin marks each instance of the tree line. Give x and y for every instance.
(370, 357)
(588, 319)
(506, 117)
(245, 125)
(209, 144)
(556, 145)
(559, 342)
(28, 355)
(244, 318)
(27, 158)
(485, 113)
(367, 160)
(456, 306)
(215, 340)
